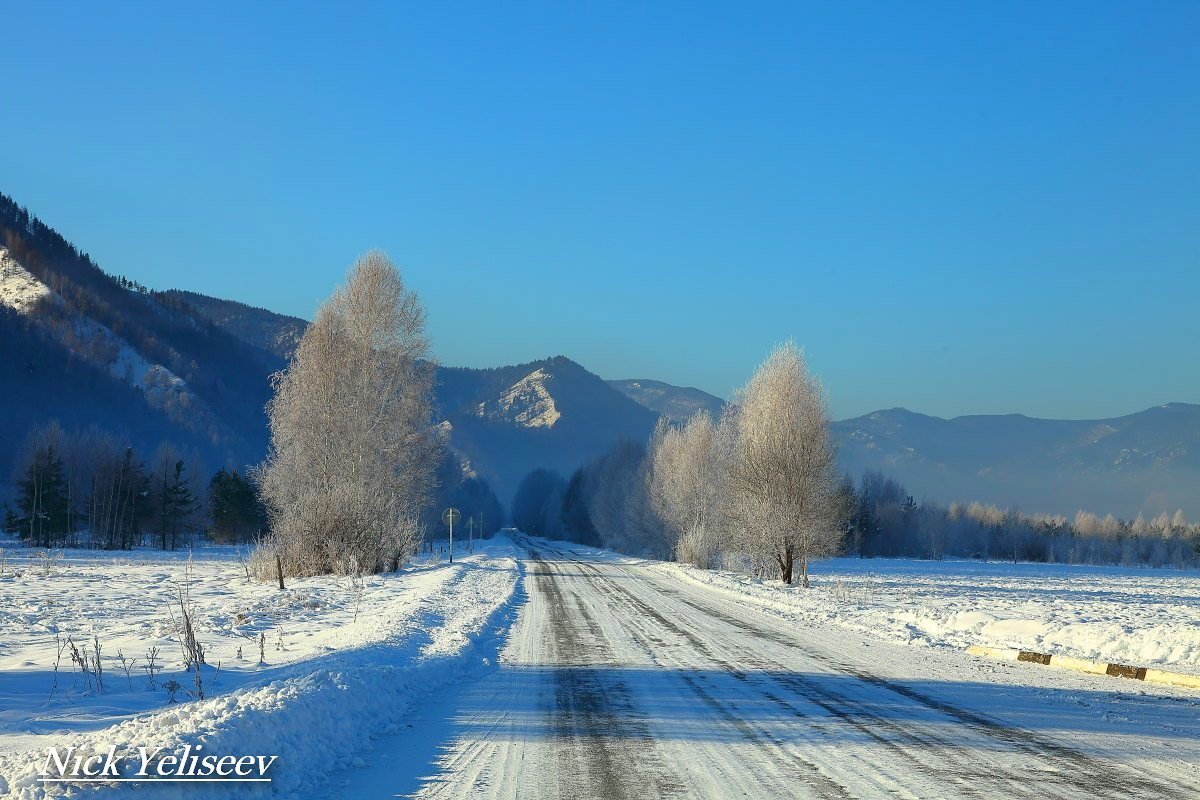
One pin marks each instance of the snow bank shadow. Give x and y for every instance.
(401, 764)
(542, 702)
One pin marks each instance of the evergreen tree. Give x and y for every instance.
(178, 504)
(575, 515)
(237, 513)
(42, 498)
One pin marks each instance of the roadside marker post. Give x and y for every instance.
(449, 517)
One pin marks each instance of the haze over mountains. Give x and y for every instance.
(1144, 462)
(83, 346)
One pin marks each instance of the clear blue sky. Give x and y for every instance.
(958, 208)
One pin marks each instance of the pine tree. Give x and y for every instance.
(237, 513)
(179, 505)
(42, 498)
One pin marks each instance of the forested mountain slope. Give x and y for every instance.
(87, 347)
(551, 413)
(676, 403)
(276, 333)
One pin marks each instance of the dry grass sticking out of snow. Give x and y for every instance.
(341, 661)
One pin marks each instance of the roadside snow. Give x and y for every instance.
(338, 672)
(1135, 616)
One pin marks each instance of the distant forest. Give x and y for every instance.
(612, 502)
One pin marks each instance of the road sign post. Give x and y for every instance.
(449, 517)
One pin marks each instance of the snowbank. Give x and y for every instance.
(347, 673)
(1134, 616)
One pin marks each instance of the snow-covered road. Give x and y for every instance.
(617, 681)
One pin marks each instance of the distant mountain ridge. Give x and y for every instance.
(178, 365)
(1144, 462)
(676, 403)
(550, 413)
(555, 413)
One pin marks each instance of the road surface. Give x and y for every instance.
(618, 682)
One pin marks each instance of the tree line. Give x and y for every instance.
(90, 488)
(886, 521)
(756, 490)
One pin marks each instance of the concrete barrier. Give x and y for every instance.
(1080, 665)
(1159, 676)
(1172, 678)
(1002, 653)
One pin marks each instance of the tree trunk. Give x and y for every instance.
(804, 571)
(279, 569)
(786, 564)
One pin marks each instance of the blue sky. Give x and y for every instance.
(957, 208)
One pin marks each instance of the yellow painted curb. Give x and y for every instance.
(1159, 676)
(1079, 665)
(1002, 653)
(1172, 678)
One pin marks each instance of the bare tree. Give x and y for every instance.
(687, 485)
(352, 446)
(782, 476)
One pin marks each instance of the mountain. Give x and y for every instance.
(277, 334)
(87, 347)
(550, 413)
(555, 413)
(676, 403)
(504, 421)
(1145, 462)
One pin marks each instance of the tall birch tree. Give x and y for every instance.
(353, 450)
(782, 476)
(687, 485)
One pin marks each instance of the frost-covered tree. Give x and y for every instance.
(352, 452)
(620, 508)
(687, 486)
(782, 476)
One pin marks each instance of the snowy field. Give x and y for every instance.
(344, 665)
(1144, 617)
(340, 664)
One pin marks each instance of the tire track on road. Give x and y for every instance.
(956, 764)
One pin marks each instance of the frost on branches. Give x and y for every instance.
(353, 450)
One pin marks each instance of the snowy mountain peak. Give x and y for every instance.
(19, 288)
(527, 403)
